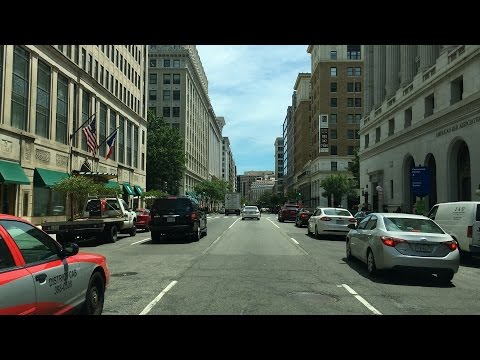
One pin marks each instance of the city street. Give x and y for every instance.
(267, 267)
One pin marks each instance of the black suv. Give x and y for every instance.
(177, 215)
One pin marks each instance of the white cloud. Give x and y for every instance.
(251, 86)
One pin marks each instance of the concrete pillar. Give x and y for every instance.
(379, 75)
(428, 56)
(392, 70)
(407, 64)
(368, 85)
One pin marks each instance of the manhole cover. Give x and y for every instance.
(310, 296)
(127, 273)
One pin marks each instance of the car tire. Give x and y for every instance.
(317, 236)
(111, 234)
(348, 250)
(258, 218)
(197, 235)
(205, 231)
(309, 233)
(133, 230)
(156, 238)
(147, 228)
(296, 223)
(243, 218)
(95, 295)
(371, 266)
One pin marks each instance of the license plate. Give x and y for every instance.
(171, 219)
(422, 248)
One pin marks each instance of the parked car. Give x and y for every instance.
(330, 221)
(143, 219)
(177, 215)
(250, 212)
(461, 220)
(40, 276)
(403, 241)
(288, 212)
(302, 216)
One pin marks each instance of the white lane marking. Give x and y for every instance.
(218, 238)
(233, 223)
(157, 299)
(273, 223)
(140, 241)
(361, 299)
(295, 241)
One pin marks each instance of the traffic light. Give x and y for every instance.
(299, 194)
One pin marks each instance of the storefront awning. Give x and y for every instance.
(48, 178)
(127, 189)
(12, 173)
(138, 190)
(112, 185)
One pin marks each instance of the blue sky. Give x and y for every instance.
(251, 86)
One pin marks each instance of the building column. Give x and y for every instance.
(407, 64)
(393, 70)
(368, 85)
(428, 56)
(379, 75)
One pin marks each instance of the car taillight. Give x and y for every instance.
(304, 215)
(469, 231)
(325, 218)
(352, 220)
(193, 216)
(391, 241)
(452, 245)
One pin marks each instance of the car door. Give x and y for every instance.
(53, 276)
(312, 220)
(355, 237)
(367, 235)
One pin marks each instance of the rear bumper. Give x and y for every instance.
(251, 216)
(172, 230)
(392, 259)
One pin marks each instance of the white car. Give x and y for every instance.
(251, 212)
(330, 221)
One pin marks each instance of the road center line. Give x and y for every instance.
(218, 238)
(140, 241)
(273, 223)
(361, 299)
(233, 223)
(157, 299)
(295, 241)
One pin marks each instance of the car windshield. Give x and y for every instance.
(411, 224)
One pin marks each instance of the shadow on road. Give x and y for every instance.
(94, 243)
(470, 261)
(328, 237)
(170, 240)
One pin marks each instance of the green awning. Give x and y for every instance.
(12, 173)
(112, 185)
(48, 178)
(138, 190)
(127, 189)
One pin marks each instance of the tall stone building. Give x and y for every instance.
(288, 149)
(336, 108)
(47, 93)
(245, 181)
(279, 154)
(421, 115)
(178, 90)
(228, 164)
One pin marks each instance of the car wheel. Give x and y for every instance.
(197, 235)
(446, 276)
(348, 250)
(316, 232)
(111, 235)
(156, 237)
(243, 218)
(371, 267)
(133, 230)
(308, 230)
(205, 231)
(95, 295)
(147, 228)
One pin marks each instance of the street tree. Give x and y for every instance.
(354, 168)
(338, 185)
(165, 156)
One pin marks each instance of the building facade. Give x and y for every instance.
(245, 181)
(336, 109)
(279, 153)
(288, 148)
(47, 94)
(260, 187)
(178, 90)
(422, 110)
(228, 164)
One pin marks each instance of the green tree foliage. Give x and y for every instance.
(354, 168)
(151, 195)
(165, 156)
(213, 190)
(338, 185)
(77, 189)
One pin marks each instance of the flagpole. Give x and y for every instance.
(71, 136)
(108, 137)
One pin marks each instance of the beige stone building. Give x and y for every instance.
(47, 93)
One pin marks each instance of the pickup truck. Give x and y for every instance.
(103, 219)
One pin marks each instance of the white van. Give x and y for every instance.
(461, 220)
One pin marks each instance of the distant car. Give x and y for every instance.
(330, 221)
(41, 277)
(288, 212)
(403, 241)
(250, 212)
(143, 219)
(302, 216)
(58, 210)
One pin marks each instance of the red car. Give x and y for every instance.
(143, 219)
(288, 212)
(39, 276)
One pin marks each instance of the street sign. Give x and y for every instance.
(420, 181)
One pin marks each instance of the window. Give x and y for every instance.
(135, 146)
(353, 52)
(367, 140)
(116, 57)
(166, 94)
(333, 55)
(333, 102)
(354, 71)
(350, 150)
(333, 166)
(143, 161)
(90, 64)
(143, 137)
(113, 126)
(354, 87)
(1, 73)
(116, 87)
(129, 143)
(25, 203)
(166, 63)
(357, 134)
(152, 79)
(102, 130)
(429, 105)
(95, 70)
(456, 90)
(121, 62)
(84, 59)
(21, 65)
(350, 134)
(47, 202)
(76, 53)
(152, 95)
(166, 111)
(176, 111)
(42, 124)
(176, 94)
(101, 75)
(377, 134)
(62, 110)
(354, 102)
(333, 119)
(333, 134)
(176, 63)
(121, 139)
(167, 78)
(85, 115)
(333, 71)
(333, 150)
(391, 127)
(333, 87)
(176, 78)
(408, 118)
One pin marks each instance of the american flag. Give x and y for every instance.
(91, 134)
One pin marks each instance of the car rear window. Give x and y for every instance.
(291, 208)
(413, 225)
(251, 208)
(339, 212)
(177, 204)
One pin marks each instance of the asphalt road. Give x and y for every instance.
(267, 267)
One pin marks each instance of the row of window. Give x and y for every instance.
(351, 71)
(167, 78)
(334, 150)
(166, 63)
(351, 87)
(351, 102)
(152, 95)
(353, 53)
(351, 134)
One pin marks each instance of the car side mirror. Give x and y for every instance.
(352, 226)
(69, 249)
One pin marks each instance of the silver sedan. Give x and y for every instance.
(251, 212)
(403, 241)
